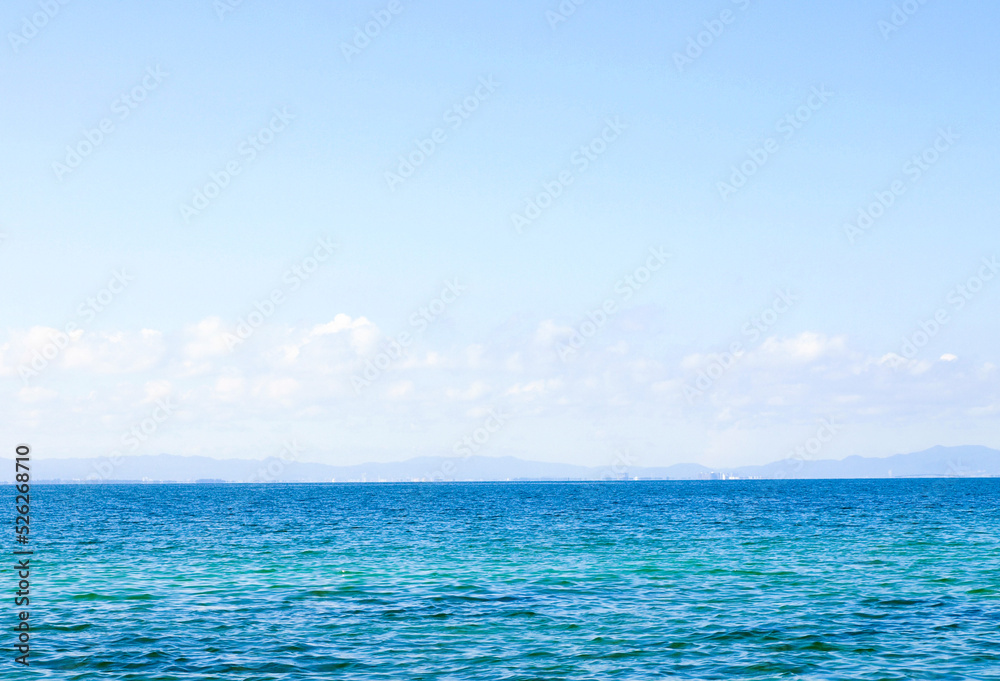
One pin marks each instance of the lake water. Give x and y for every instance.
(887, 579)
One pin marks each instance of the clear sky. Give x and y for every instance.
(629, 133)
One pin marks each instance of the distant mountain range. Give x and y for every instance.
(968, 461)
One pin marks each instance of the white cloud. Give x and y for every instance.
(364, 336)
(548, 333)
(400, 389)
(277, 388)
(476, 390)
(229, 388)
(30, 395)
(156, 390)
(805, 347)
(206, 339)
(293, 375)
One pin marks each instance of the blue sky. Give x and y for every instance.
(656, 185)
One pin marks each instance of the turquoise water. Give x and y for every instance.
(888, 579)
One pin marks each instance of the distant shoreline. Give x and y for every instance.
(971, 461)
(488, 482)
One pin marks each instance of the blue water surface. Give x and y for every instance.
(850, 579)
